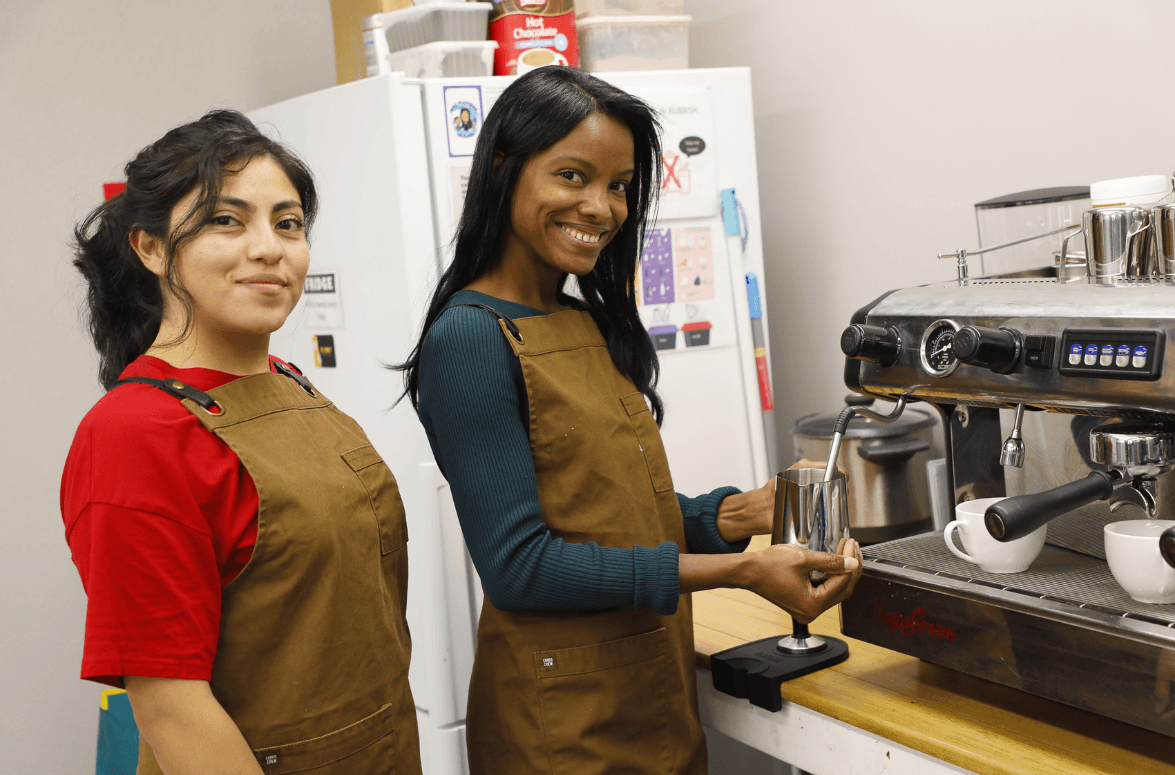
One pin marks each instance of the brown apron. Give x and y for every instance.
(312, 660)
(585, 693)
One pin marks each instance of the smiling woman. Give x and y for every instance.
(541, 408)
(227, 520)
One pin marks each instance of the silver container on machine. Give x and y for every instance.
(1163, 225)
(888, 492)
(1118, 244)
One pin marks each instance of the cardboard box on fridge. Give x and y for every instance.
(347, 20)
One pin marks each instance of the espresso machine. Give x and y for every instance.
(1059, 393)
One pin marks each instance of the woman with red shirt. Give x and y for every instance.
(241, 543)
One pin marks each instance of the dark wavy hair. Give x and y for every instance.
(536, 111)
(124, 300)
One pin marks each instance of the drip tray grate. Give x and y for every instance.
(1057, 574)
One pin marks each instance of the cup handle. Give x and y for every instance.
(560, 59)
(947, 534)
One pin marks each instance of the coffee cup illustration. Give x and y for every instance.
(534, 58)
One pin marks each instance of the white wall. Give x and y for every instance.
(879, 125)
(83, 85)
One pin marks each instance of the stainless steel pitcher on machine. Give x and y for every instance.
(1061, 397)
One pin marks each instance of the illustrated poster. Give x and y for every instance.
(689, 178)
(683, 287)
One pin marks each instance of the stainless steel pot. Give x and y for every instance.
(888, 494)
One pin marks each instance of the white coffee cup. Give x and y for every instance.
(1132, 550)
(983, 550)
(534, 58)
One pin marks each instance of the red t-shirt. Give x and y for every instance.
(159, 515)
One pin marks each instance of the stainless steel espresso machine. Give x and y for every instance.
(1061, 392)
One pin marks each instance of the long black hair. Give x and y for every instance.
(124, 300)
(532, 114)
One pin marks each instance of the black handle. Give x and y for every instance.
(871, 343)
(1167, 546)
(858, 399)
(799, 630)
(894, 452)
(997, 349)
(1019, 515)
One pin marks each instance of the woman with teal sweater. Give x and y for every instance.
(542, 413)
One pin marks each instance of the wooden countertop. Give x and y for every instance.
(969, 722)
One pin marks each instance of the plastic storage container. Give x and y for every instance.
(1026, 214)
(446, 59)
(617, 43)
(629, 7)
(419, 25)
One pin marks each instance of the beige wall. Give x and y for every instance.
(880, 124)
(83, 86)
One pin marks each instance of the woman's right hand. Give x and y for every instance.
(781, 574)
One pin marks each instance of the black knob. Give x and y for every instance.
(997, 349)
(871, 343)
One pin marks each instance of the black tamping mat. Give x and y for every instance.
(755, 671)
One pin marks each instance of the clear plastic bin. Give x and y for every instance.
(446, 59)
(620, 43)
(419, 25)
(629, 7)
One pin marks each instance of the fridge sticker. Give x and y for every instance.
(463, 117)
(689, 178)
(693, 263)
(458, 185)
(324, 351)
(321, 302)
(683, 288)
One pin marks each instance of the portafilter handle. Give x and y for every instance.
(1167, 545)
(1016, 517)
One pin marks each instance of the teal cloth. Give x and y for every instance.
(472, 403)
(118, 737)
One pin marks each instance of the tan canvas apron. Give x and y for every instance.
(312, 660)
(584, 693)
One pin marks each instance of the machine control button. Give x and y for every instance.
(1112, 353)
(1038, 351)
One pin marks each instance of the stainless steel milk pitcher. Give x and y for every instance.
(1118, 244)
(809, 511)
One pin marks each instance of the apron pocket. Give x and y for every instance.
(383, 494)
(649, 437)
(605, 707)
(367, 746)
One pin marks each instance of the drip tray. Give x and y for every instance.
(1057, 575)
(1063, 629)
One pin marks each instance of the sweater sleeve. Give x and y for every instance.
(701, 523)
(473, 415)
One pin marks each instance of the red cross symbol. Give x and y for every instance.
(671, 172)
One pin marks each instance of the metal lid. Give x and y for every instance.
(1036, 196)
(819, 426)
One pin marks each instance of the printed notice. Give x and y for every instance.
(683, 287)
(321, 301)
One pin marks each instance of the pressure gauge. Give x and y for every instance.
(937, 353)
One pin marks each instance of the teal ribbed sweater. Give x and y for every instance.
(472, 403)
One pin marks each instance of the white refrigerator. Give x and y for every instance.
(390, 157)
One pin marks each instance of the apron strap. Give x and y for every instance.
(510, 325)
(178, 389)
